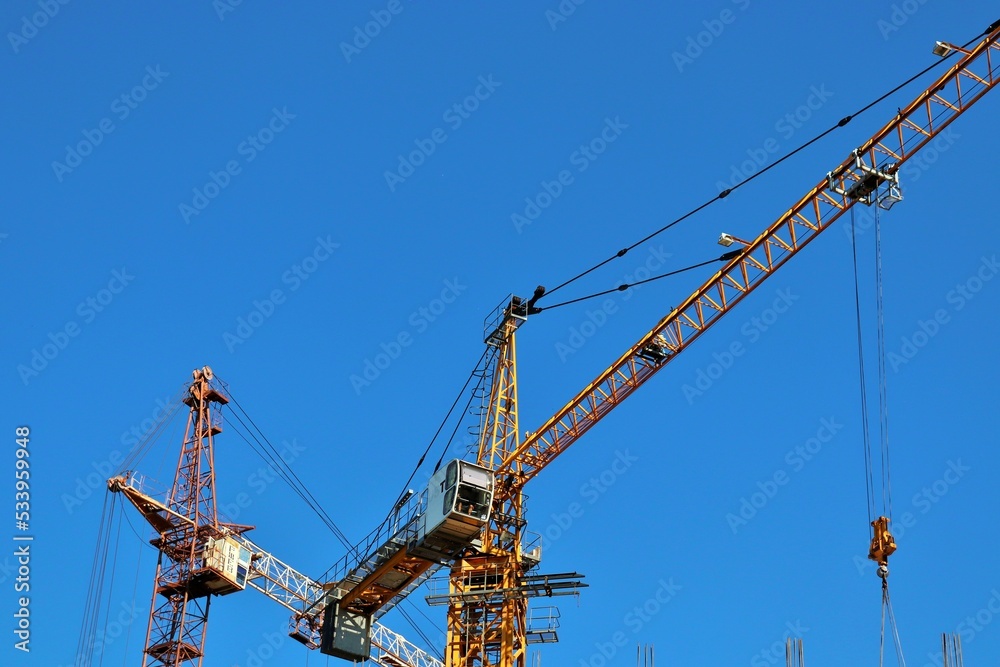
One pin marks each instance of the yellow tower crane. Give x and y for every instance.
(471, 518)
(488, 572)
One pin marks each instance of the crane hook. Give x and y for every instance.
(883, 545)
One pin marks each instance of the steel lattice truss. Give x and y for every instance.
(298, 593)
(875, 162)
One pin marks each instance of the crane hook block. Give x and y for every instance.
(883, 543)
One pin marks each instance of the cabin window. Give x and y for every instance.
(449, 501)
(472, 501)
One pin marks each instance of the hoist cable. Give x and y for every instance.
(95, 589)
(725, 193)
(866, 439)
(135, 591)
(881, 638)
(887, 606)
(882, 381)
(109, 595)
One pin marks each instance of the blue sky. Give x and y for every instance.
(262, 190)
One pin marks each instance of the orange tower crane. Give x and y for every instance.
(201, 556)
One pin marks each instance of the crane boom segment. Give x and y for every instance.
(297, 593)
(278, 581)
(855, 180)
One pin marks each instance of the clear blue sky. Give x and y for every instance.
(171, 170)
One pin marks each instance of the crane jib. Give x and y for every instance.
(874, 163)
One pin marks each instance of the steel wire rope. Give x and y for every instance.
(458, 423)
(895, 630)
(149, 439)
(427, 641)
(624, 286)
(135, 592)
(893, 627)
(440, 427)
(725, 193)
(974, 87)
(882, 377)
(273, 459)
(115, 518)
(402, 495)
(92, 604)
(865, 424)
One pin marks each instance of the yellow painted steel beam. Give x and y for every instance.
(369, 595)
(919, 123)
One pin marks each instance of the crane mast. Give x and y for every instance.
(868, 176)
(486, 615)
(188, 527)
(201, 556)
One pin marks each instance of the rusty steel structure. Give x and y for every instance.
(185, 523)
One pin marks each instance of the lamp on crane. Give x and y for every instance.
(728, 240)
(890, 197)
(945, 49)
(941, 49)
